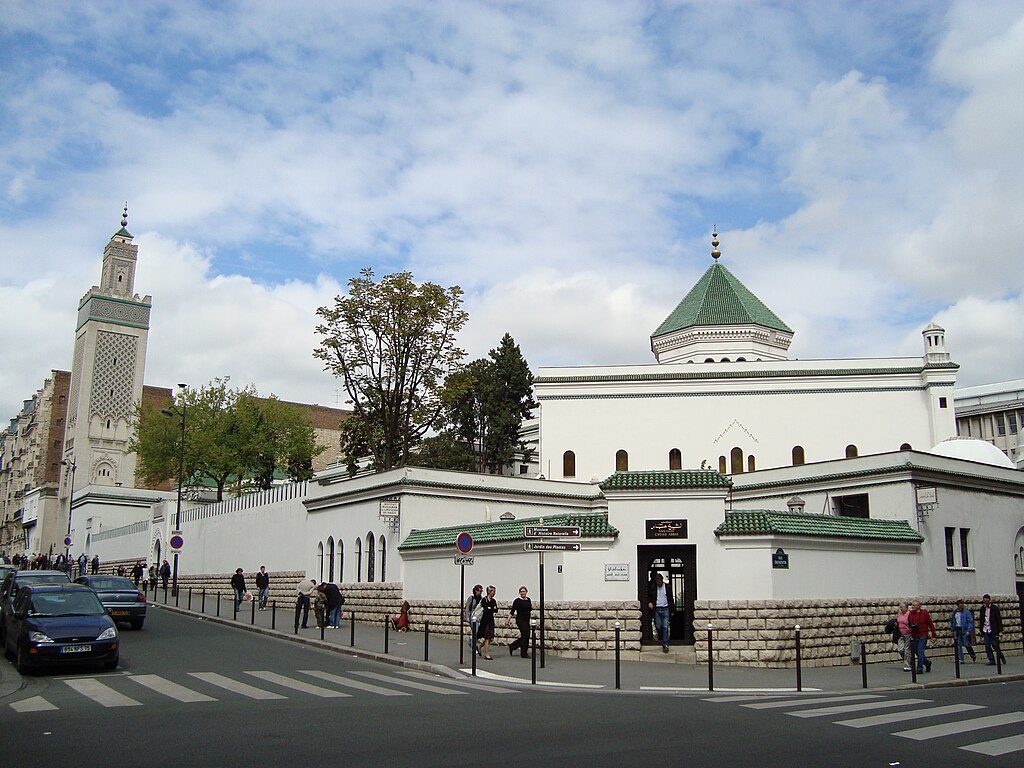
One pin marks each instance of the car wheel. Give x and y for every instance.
(137, 624)
(110, 665)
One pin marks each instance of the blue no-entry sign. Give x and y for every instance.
(67, 541)
(176, 542)
(464, 543)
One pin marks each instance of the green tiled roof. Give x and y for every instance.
(591, 526)
(719, 298)
(761, 522)
(665, 479)
(123, 233)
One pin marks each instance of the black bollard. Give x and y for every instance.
(999, 655)
(387, 629)
(799, 681)
(533, 652)
(273, 614)
(863, 664)
(190, 598)
(253, 619)
(711, 660)
(322, 626)
(957, 644)
(165, 595)
(473, 654)
(618, 679)
(177, 596)
(218, 605)
(913, 660)
(234, 606)
(352, 630)
(204, 602)
(426, 640)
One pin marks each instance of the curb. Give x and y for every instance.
(954, 683)
(323, 645)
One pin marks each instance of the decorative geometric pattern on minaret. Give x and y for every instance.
(113, 376)
(76, 381)
(120, 312)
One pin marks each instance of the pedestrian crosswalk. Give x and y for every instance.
(988, 734)
(136, 690)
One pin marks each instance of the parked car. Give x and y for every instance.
(120, 596)
(58, 624)
(13, 583)
(4, 570)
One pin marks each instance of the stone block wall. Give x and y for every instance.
(761, 632)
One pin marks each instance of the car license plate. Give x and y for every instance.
(119, 613)
(76, 649)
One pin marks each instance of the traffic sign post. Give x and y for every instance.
(464, 545)
(540, 547)
(176, 542)
(67, 541)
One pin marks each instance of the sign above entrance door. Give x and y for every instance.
(551, 531)
(666, 529)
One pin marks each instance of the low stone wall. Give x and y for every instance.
(761, 632)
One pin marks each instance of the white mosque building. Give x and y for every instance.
(768, 491)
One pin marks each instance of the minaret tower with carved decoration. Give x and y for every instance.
(107, 370)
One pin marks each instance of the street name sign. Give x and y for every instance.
(551, 531)
(550, 546)
(464, 559)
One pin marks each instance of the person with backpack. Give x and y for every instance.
(263, 585)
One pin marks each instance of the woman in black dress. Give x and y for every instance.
(486, 634)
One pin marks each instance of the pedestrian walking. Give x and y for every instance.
(961, 622)
(320, 606)
(82, 562)
(659, 603)
(95, 564)
(921, 628)
(165, 572)
(522, 608)
(152, 576)
(473, 612)
(238, 585)
(991, 619)
(487, 621)
(334, 602)
(305, 590)
(905, 642)
(137, 571)
(263, 585)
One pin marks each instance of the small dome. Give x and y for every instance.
(972, 449)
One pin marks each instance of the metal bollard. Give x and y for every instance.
(957, 644)
(999, 656)
(618, 679)
(177, 596)
(253, 619)
(234, 606)
(273, 614)
(387, 630)
(863, 664)
(426, 640)
(165, 595)
(913, 660)
(711, 659)
(533, 651)
(204, 601)
(799, 681)
(190, 598)
(352, 630)
(322, 626)
(473, 654)
(218, 605)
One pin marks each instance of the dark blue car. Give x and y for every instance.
(60, 625)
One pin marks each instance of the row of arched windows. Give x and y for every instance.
(331, 559)
(734, 464)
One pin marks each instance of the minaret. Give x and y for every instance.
(107, 370)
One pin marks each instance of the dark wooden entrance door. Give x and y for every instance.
(677, 564)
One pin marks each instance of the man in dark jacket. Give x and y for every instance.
(991, 620)
(95, 564)
(263, 585)
(334, 601)
(238, 585)
(137, 571)
(659, 603)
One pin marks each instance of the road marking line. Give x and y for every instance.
(998, 746)
(357, 684)
(33, 704)
(298, 685)
(235, 687)
(962, 726)
(505, 678)
(411, 684)
(728, 699)
(839, 710)
(914, 714)
(169, 688)
(458, 683)
(101, 694)
(808, 702)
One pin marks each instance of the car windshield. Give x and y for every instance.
(41, 578)
(65, 604)
(110, 582)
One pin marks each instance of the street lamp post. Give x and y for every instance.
(71, 496)
(180, 413)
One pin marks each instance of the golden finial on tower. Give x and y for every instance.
(124, 215)
(715, 253)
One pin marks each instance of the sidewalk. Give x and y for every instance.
(600, 674)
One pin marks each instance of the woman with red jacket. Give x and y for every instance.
(921, 628)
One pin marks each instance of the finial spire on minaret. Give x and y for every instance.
(124, 215)
(715, 253)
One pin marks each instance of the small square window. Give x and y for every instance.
(965, 558)
(942, 402)
(950, 533)
(1000, 425)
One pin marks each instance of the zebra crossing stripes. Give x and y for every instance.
(810, 702)
(235, 686)
(357, 684)
(998, 746)
(298, 685)
(962, 726)
(33, 704)
(410, 684)
(102, 694)
(844, 708)
(171, 689)
(458, 683)
(914, 714)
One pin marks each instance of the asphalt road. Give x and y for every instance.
(184, 696)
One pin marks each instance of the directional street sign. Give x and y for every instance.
(550, 546)
(551, 531)
(464, 560)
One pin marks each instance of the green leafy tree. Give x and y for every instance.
(393, 343)
(275, 437)
(445, 451)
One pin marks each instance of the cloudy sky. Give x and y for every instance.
(563, 162)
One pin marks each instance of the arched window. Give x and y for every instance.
(851, 451)
(383, 557)
(369, 557)
(725, 359)
(621, 461)
(736, 461)
(330, 558)
(751, 466)
(709, 360)
(798, 455)
(721, 464)
(568, 464)
(906, 447)
(359, 560)
(741, 359)
(320, 559)
(675, 459)
(341, 560)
